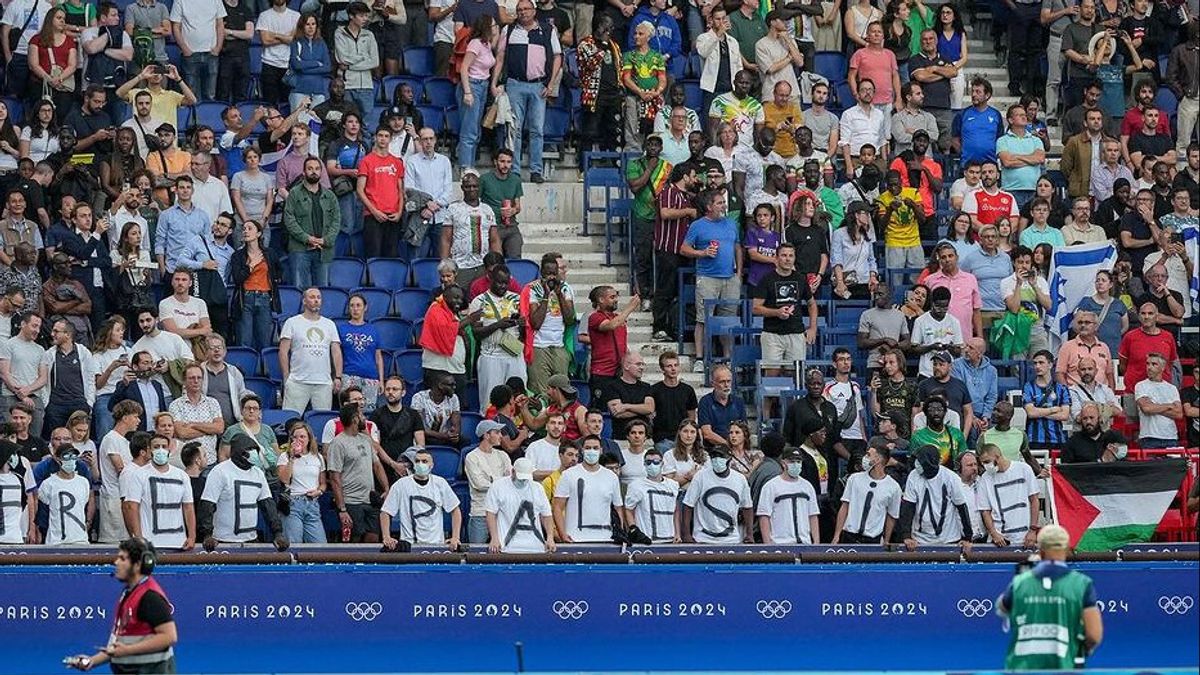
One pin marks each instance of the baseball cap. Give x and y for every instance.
(856, 206)
(942, 355)
(1053, 537)
(68, 452)
(793, 454)
(165, 128)
(811, 426)
(485, 426)
(523, 469)
(921, 132)
(561, 382)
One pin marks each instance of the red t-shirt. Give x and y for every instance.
(877, 66)
(1136, 345)
(991, 208)
(480, 285)
(383, 188)
(62, 53)
(1133, 121)
(608, 347)
(923, 189)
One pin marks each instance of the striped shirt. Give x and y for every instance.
(1043, 431)
(669, 234)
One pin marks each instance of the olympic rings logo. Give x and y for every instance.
(774, 609)
(1175, 604)
(841, 550)
(570, 610)
(364, 611)
(974, 608)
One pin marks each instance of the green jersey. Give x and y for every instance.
(1045, 609)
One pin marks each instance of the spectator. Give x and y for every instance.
(777, 55)
(853, 259)
(720, 408)
(525, 72)
(1109, 170)
(381, 190)
(948, 439)
(502, 352)
(501, 191)
(198, 416)
(210, 257)
(857, 522)
(938, 77)
(738, 109)
(179, 225)
(1076, 38)
(1139, 343)
(278, 32)
(233, 63)
(68, 498)
(892, 391)
(788, 512)
(930, 493)
(674, 135)
(1183, 72)
(628, 398)
(782, 115)
(550, 303)
(1170, 304)
(954, 391)
(777, 297)
(72, 371)
(1022, 156)
(829, 200)
(1182, 214)
(1083, 151)
(966, 302)
(1191, 410)
(474, 72)
(484, 466)
(433, 494)
(715, 495)
(990, 266)
(976, 129)
(646, 177)
(674, 211)
(898, 212)
(545, 452)
(1088, 390)
(935, 331)
(312, 217)
(440, 411)
(1091, 441)
(114, 458)
(712, 240)
(1012, 515)
(1047, 405)
(677, 98)
(915, 165)
(721, 56)
(169, 517)
(314, 371)
(607, 350)
(352, 462)
(644, 76)
(1148, 142)
(223, 381)
(1135, 122)
(1158, 405)
(863, 124)
(655, 525)
(976, 371)
(469, 233)
(357, 51)
(584, 497)
(509, 503)
(1170, 263)
(968, 473)
(1082, 230)
(1027, 297)
(1085, 344)
(21, 369)
(138, 385)
(846, 395)
(256, 273)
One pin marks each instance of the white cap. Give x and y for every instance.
(523, 469)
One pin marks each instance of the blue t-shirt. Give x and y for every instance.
(1112, 84)
(978, 131)
(358, 349)
(718, 416)
(1021, 177)
(704, 231)
(988, 271)
(765, 242)
(1043, 430)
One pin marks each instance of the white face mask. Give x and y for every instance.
(990, 468)
(720, 464)
(867, 463)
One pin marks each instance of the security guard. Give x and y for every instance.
(1055, 619)
(144, 633)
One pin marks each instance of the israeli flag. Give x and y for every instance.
(1072, 278)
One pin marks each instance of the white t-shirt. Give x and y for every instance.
(106, 357)
(789, 504)
(113, 443)
(236, 494)
(840, 394)
(18, 13)
(165, 345)
(67, 500)
(186, 314)
(417, 509)
(543, 454)
(885, 501)
(927, 330)
(282, 23)
(653, 504)
(436, 416)
(961, 189)
(519, 511)
(717, 503)
(634, 466)
(936, 520)
(972, 493)
(1156, 426)
(160, 496)
(199, 22)
(1006, 494)
(306, 471)
(129, 477)
(311, 342)
(590, 496)
(13, 519)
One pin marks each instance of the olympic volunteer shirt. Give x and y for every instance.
(936, 520)
(789, 504)
(653, 504)
(590, 496)
(871, 501)
(13, 518)
(236, 492)
(1006, 494)
(518, 511)
(717, 503)
(67, 499)
(416, 508)
(160, 493)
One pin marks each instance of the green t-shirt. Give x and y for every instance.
(1010, 442)
(266, 443)
(950, 442)
(493, 190)
(646, 199)
(644, 68)
(918, 23)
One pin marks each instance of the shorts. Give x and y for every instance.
(712, 288)
(364, 519)
(778, 348)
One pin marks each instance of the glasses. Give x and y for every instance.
(653, 462)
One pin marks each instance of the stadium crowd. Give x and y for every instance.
(186, 186)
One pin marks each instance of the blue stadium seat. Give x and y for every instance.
(435, 117)
(379, 301)
(693, 97)
(387, 273)
(1166, 101)
(831, 66)
(695, 65)
(276, 417)
(469, 420)
(246, 359)
(418, 61)
(16, 110)
(375, 116)
(462, 490)
(290, 300)
(676, 68)
(446, 460)
(453, 121)
(346, 272)
(247, 109)
(270, 361)
(418, 326)
(333, 302)
(439, 92)
(411, 303)
(393, 333)
(558, 121)
(208, 113)
(184, 118)
(392, 81)
(317, 419)
(408, 366)
(523, 271)
(266, 390)
(583, 392)
(425, 274)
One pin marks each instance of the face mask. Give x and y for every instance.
(591, 456)
(654, 470)
(422, 470)
(520, 483)
(794, 468)
(160, 456)
(14, 461)
(68, 465)
(720, 464)
(990, 468)
(866, 463)
(1122, 451)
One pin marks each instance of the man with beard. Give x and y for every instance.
(919, 169)
(234, 493)
(930, 493)
(1090, 441)
(948, 440)
(400, 427)
(313, 219)
(827, 199)
(989, 203)
(1089, 390)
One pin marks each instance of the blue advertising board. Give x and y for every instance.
(375, 618)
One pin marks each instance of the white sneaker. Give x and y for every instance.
(662, 336)
(645, 305)
(698, 366)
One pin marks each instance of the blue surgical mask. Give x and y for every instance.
(591, 456)
(654, 470)
(720, 464)
(794, 469)
(1122, 452)
(422, 469)
(160, 456)
(14, 460)
(68, 465)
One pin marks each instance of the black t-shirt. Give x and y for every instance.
(724, 81)
(154, 609)
(1156, 145)
(953, 390)
(1184, 180)
(620, 390)
(1163, 308)
(671, 406)
(33, 448)
(1191, 396)
(776, 291)
(810, 242)
(1080, 448)
(1132, 223)
(897, 396)
(235, 19)
(937, 94)
(611, 90)
(558, 16)
(396, 429)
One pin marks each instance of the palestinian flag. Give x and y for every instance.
(1105, 506)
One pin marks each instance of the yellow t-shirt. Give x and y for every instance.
(902, 229)
(785, 143)
(163, 106)
(549, 483)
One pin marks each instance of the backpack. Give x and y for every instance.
(462, 37)
(143, 48)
